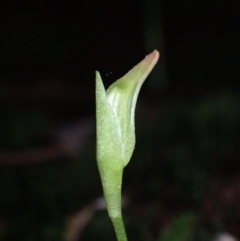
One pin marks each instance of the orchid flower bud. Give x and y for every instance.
(115, 111)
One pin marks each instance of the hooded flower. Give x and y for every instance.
(115, 111)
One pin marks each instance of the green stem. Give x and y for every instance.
(119, 228)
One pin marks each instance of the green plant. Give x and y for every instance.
(181, 229)
(115, 110)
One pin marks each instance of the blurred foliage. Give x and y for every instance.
(24, 129)
(181, 229)
(99, 228)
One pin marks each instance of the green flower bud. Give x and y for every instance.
(115, 111)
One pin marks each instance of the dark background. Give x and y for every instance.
(186, 160)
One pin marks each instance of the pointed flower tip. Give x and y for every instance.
(147, 64)
(153, 57)
(97, 73)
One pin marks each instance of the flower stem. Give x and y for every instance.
(119, 228)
